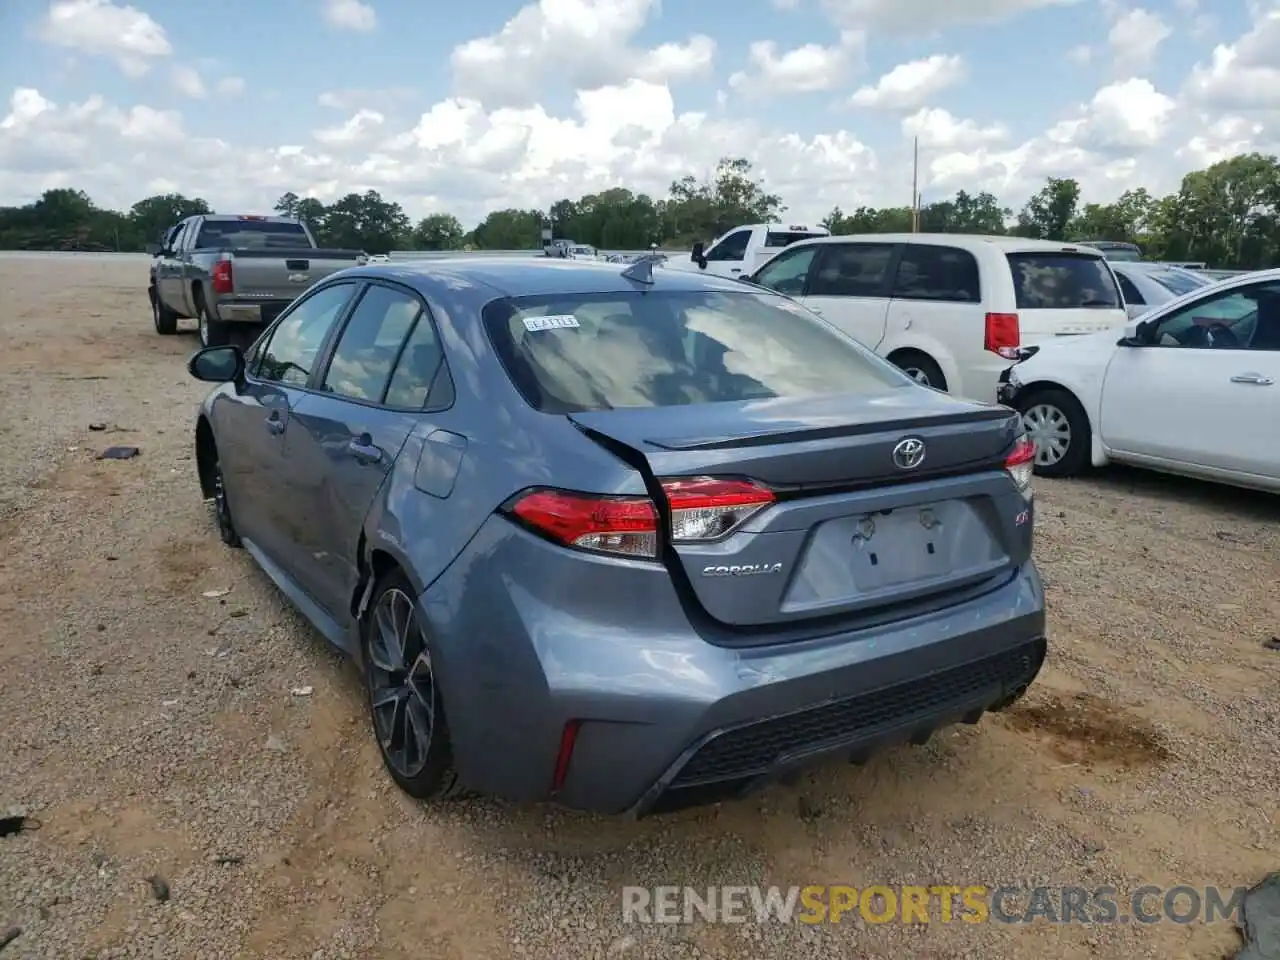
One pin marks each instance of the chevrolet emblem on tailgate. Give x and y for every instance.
(298, 278)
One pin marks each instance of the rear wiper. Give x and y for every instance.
(1097, 303)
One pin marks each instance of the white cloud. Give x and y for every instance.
(938, 129)
(585, 43)
(1081, 54)
(804, 69)
(360, 127)
(908, 85)
(927, 16)
(186, 80)
(350, 15)
(231, 86)
(1134, 38)
(1244, 75)
(101, 28)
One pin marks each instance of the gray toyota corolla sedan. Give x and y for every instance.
(628, 539)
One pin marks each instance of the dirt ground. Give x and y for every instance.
(162, 740)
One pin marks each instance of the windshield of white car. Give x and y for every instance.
(1177, 282)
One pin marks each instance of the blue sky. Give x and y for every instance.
(1019, 74)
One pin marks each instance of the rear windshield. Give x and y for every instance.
(1062, 281)
(1177, 282)
(786, 239)
(672, 348)
(251, 233)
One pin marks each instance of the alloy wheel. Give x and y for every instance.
(402, 691)
(221, 509)
(204, 327)
(1050, 430)
(918, 375)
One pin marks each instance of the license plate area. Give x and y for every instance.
(899, 546)
(871, 558)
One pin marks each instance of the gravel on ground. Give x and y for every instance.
(191, 804)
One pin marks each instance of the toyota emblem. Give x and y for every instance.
(908, 454)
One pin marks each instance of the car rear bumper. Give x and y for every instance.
(666, 719)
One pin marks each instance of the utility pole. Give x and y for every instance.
(915, 182)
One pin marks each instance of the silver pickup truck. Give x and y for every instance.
(225, 271)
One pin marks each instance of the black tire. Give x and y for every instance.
(165, 320)
(1037, 407)
(395, 682)
(213, 332)
(222, 507)
(922, 368)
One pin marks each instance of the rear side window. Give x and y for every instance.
(785, 239)
(944, 274)
(852, 270)
(673, 348)
(419, 368)
(1062, 281)
(1130, 290)
(369, 347)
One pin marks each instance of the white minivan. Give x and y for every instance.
(950, 309)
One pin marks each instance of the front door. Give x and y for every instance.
(1205, 389)
(346, 435)
(260, 498)
(728, 257)
(849, 288)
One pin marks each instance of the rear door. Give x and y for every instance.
(849, 287)
(345, 435)
(937, 310)
(1062, 293)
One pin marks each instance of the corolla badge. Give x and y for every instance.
(908, 454)
(741, 569)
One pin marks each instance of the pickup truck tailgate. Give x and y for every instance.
(286, 273)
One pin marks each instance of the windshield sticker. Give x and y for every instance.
(558, 322)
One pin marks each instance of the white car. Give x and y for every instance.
(1192, 388)
(949, 309)
(1147, 285)
(379, 258)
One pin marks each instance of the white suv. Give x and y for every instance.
(950, 309)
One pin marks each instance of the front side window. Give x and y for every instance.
(672, 348)
(928, 272)
(370, 344)
(1062, 281)
(1243, 319)
(788, 271)
(732, 247)
(290, 354)
(852, 270)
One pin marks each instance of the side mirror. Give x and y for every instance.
(153, 249)
(1135, 333)
(698, 255)
(217, 364)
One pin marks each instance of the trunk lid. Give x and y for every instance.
(850, 530)
(286, 273)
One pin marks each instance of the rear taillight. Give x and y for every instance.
(1021, 464)
(622, 526)
(1002, 335)
(223, 282)
(705, 508)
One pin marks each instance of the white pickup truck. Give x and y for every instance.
(742, 250)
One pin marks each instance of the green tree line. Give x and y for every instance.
(1227, 215)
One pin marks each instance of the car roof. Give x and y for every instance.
(537, 276)
(967, 241)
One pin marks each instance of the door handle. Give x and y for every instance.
(275, 425)
(735, 269)
(365, 452)
(1254, 378)
(817, 310)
